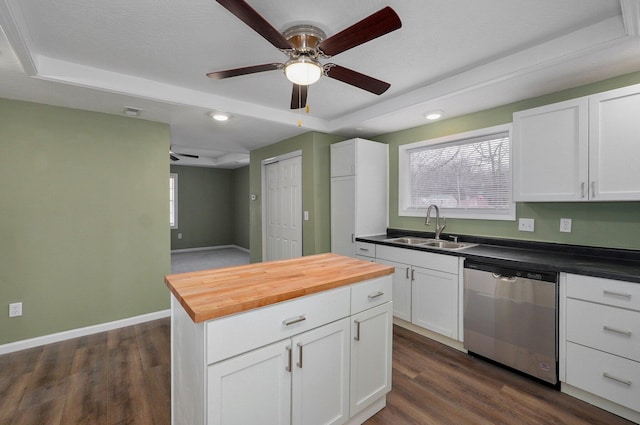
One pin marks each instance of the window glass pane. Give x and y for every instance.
(468, 177)
(467, 174)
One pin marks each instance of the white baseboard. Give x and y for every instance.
(208, 248)
(75, 333)
(430, 334)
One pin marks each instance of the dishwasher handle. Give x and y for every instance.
(504, 278)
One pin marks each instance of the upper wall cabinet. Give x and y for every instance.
(579, 150)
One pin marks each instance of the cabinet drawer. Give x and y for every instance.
(605, 291)
(605, 375)
(365, 249)
(610, 329)
(428, 260)
(371, 293)
(238, 333)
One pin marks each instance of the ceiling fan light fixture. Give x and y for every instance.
(303, 71)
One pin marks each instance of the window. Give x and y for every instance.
(467, 175)
(173, 200)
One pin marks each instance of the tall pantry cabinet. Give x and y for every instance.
(359, 192)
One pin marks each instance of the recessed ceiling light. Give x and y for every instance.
(219, 116)
(434, 115)
(131, 111)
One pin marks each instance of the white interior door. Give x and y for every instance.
(283, 209)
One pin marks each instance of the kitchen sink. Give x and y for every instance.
(431, 243)
(409, 241)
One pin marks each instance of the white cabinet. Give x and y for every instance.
(434, 301)
(302, 380)
(614, 136)
(267, 400)
(370, 356)
(551, 152)
(359, 187)
(401, 288)
(315, 360)
(600, 350)
(426, 288)
(579, 150)
(320, 374)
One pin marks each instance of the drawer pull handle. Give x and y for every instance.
(407, 269)
(299, 364)
(615, 378)
(616, 331)
(364, 249)
(376, 295)
(617, 294)
(289, 354)
(298, 319)
(357, 337)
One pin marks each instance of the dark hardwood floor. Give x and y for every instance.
(123, 377)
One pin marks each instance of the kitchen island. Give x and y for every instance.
(300, 341)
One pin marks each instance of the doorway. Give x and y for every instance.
(282, 207)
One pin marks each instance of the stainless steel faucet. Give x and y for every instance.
(438, 227)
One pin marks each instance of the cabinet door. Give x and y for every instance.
(343, 221)
(370, 356)
(252, 388)
(401, 289)
(343, 158)
(321, 376)
(434, 301)
(550, 152)
(615, 145)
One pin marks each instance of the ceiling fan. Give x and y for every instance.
(174, 155)
(304, 44)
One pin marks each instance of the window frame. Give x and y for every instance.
(404, 177)
(173, 206)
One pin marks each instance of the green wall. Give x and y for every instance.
(213, 207)
(241, 207)
(83, 201)
(316, 233)
(613, 224)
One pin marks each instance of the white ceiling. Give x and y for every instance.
(458, 56)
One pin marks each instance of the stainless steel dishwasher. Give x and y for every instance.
(511, 317)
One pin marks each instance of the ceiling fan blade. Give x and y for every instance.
(299, 96)
(355, 78)
(380, 23)
(187, 155)
(219, 75)
(249, 16)
(174, 158)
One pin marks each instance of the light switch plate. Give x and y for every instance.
(526, 224)
(565, 225)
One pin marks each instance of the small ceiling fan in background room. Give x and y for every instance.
(174, 155)
(304, 44)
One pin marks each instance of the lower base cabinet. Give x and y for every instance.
(302, 380)
(426, 288)
(370, 356)
(327, 363)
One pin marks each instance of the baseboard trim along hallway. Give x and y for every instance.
(75, 333)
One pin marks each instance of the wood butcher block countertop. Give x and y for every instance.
(209, 294)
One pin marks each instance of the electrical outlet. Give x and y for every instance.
(306, 216)
(15, 309)
(526, 224)
(179, 235)
(565, 225)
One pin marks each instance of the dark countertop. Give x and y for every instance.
(599, 262)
